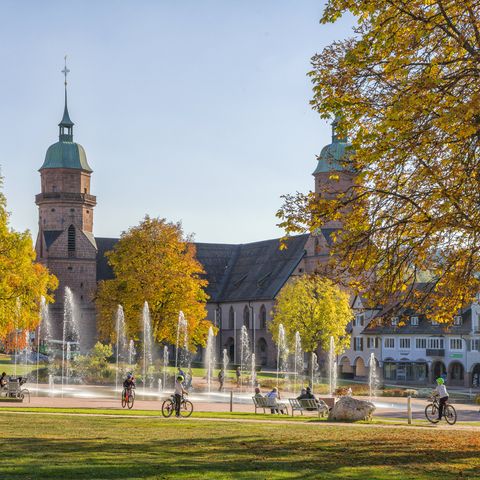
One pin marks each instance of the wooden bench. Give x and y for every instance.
(308, 405)
(269, 403)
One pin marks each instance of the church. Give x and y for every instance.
(243, 279)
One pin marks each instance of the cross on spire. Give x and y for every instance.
(65, 71)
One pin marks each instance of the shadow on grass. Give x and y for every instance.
(259, 454)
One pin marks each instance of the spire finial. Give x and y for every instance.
(65, 71)
(66, 125)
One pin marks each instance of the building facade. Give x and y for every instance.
(411, 349)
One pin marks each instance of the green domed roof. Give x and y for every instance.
(64, 154)
(332, 156)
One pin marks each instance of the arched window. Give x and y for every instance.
(263, 317)
(231, 319)
(218, 316)
(71, 241)
(246, 316)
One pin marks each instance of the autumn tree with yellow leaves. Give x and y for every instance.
(22, 282)
(317, 309)
(407, 88)
(154, 262)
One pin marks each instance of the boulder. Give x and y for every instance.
(349, 409)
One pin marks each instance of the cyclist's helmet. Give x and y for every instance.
(129, 376)
(440, 381)
(180, 378)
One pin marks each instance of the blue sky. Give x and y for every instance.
(189, 110)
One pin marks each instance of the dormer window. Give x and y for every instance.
(414, 321)
(394, 321)
(457, 320)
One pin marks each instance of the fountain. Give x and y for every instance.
(209, 360)
(372, 376)
(282, 353)
(70, 327)
(225, 361)
(51, 385)
(165, 365)
(244, 351)
(27, 350)
(131, 352)
(159, 388)
(69, 354)
(253, 373)
(332, 368)
(147, 346)
(314, 367)
(297, 359)
(121, 340)
(182, 341)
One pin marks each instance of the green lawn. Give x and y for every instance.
(43, 446)
(7, 366)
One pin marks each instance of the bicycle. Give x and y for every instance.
(431, 411)
(128, 397)
(168, 407)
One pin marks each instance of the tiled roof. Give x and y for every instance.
(252, 271)
(424, 327)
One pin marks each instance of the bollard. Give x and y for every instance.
(231, 400)
(409, 409)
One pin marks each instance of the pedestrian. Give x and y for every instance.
(238, 373)
(221, 379)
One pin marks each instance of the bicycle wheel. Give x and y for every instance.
(25, 393)
(167, 408)
(450, 414)
(186, 408)
(124, 399)
(431, 412)
(131, 399)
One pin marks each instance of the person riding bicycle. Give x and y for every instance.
(129, 382)
(179, 392)
(441, 392)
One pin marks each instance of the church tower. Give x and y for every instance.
(332, 177)
(65, 242)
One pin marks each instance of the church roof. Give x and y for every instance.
(245, 272)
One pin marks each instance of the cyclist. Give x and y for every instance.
(441, 392)
(179, 392)
(129, 382)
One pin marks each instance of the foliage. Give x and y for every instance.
(153, 262)
(407, 89)
(94, 367)
(317, 309)
(22, 283)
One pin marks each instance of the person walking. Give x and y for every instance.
(238, 373)
(221, 379)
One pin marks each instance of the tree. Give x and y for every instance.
(94, 367)
(407, 89)
(22, 282)
(317, 309)
(153, 262)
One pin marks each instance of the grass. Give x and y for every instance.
(7, 366)
(36, 446)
